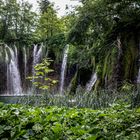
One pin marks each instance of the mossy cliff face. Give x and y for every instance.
(131, 56)
(2, 78)
(109, 65)
(3, 71)
(121, 63)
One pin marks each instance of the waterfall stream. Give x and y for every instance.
(13, 75)
(36, 55)
(7, 67)
(63, 68)
(25, 63)
(91, 82)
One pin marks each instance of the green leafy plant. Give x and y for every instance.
(118, 122)
(41, 79)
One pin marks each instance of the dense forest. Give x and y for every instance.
(88, 58)
(103, 37)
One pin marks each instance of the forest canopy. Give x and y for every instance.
(97, 31)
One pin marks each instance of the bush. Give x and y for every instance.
(19, 122)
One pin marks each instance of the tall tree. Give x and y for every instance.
(49, 24)
(16, 20)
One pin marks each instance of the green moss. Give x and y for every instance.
(109, 63)
(105, 68)
(130, 57)
(74, 83)
(97, 85)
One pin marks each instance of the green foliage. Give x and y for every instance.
(50, 29)
(49, 24)
(98, 99)
(53, 123)
(17, 21)
(109, 63)
(127, 87)
(96, 29)
(98, 18)
(92, 29)
(40, 78)
(73, 83)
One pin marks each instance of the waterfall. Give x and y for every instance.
(63, 68)
(7, 72)
(15, 78)
(16, 54)
(13, 75)
(6, 56)
(25, 63)
(91, 82)
(34, 54)
(36, 57)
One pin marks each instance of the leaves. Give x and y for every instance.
(116, 122)
(37, 127)
(39, 78)
(17, 21)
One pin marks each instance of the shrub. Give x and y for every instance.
(52, 123)
(40, 78)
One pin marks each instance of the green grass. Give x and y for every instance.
(81, 99)
(22, 122)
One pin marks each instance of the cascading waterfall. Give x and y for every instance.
(25, 63)
(36, 57)
(34, 54)
(7, 72)
(13, 75)
(63, 68)
(16, 54)
(92, 82)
